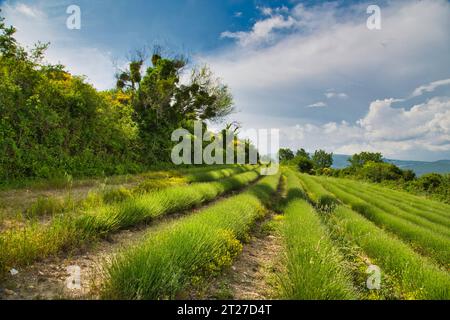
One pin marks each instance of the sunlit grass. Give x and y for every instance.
(35, 241)
(417, 275)
(315, 268)
(423, 240)
(189, 249)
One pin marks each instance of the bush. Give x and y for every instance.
(378, 172)
(409, 175)
(305, 165)
(430, 182)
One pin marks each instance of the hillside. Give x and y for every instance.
(419, 167)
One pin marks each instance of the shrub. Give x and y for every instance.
(377, 172)
(409, 175)
(305, 165)
(430, 182)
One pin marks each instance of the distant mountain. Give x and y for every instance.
(419, 167)
(340, 161)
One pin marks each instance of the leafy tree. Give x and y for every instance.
(286, 155)
(430, 182)
(322, 159)
(360, 159)
(162, 104)
(53, 123)
(302, 153)
(305, 165)
(409, 175)
(378, 172)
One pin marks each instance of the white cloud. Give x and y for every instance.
(263, 31)
(329, 46)
(346, 48)
(330, 94)
(34, 24)
(396, 132)
(28, 11)
(430, 87)
(320, 104)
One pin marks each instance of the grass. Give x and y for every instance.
(315, 268)
(48, 206)
(205, 176)
(51, 205)
(419, 277)
(415, 202)
(406, 206)
(378, 201)
(66, 180)
(321, 198)
(190, 249)
(424, 240)
(36, 241)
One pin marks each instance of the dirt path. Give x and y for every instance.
(47, 279)
(253, 275)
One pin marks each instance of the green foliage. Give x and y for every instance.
(304, 165)
(371, 167)
(302, 153)
(322, 159)
(430, 182)
(408, 175)
(161, 104)
(52, 123)
(380, 171)
(360, 159)
(285, 155)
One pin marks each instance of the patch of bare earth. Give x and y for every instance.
(51, 278)
(253, 274)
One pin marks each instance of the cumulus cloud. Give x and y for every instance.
(430, 87)
(263, 31)
(397, 132)
(329, 46)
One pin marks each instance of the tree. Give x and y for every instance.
(302, 153)
(322, 159)
(378, 172)
(285, 155)
(409, 175)
(305, 165)
(430, 182)
(360, 159)
(162, 103)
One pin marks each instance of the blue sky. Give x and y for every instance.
(310, 68)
